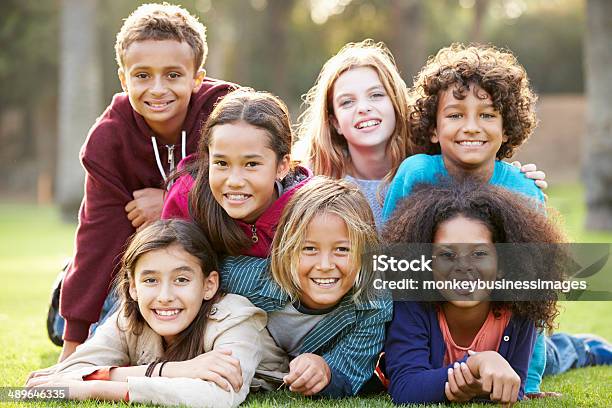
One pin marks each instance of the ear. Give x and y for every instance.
(284, 165)
(434, 137)
(121, 75)
(211, 285)
(334, 122)
(197, 81)
(504, 138)
(133, 293)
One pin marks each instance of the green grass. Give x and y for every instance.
(34, 243)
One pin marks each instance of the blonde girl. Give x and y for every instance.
(321, 312)
(176, 339)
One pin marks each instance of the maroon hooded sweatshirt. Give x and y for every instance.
(119, 158)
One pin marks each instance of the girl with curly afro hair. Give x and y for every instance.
(467, 347)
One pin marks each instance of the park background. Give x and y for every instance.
(58, 73)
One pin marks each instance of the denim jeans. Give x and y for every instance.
(563, 352)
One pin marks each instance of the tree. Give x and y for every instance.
(79, 97)
(598, 158)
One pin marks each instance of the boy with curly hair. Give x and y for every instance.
(132, 148)
(472, 108)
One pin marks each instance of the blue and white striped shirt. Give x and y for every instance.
(349, 338)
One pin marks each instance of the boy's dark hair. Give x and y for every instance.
(510, 217)
(260, 109)
(162, 22)
(159, 235)
(496, 71)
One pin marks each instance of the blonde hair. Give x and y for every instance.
(327, 151)
(162, 22)
(323, 195)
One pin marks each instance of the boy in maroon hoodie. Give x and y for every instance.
(132, 148)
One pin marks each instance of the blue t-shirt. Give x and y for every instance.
(424, 168)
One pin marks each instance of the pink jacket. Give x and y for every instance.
(176, 205)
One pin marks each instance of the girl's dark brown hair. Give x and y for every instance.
(259, 109)
(510, 217)
(159, 235)
(458, 67)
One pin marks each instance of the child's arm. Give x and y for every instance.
(108, 347)
(101, 235)
(408, 354)
(217, 366)
(239, 332)
(353, 357)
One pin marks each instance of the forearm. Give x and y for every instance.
(122, 373)
(107, 390)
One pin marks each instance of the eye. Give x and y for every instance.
(182, 279)
(174, 75)
(378, 95)
(480, 254)
(446, 255)
(343, 249)
(220, 163)
(344, 103)
(252, 164)
(309, 249)
(488, 115)
(454, 116)
(149, 281)
(142, 75)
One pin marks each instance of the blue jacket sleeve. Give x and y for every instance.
(521, 354)
(413, 378)
(353, 358)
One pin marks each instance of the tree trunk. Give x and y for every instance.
(598, 152)
(480, 11)
(409, 47)
(79, 97)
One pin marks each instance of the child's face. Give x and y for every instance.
(325, 271)
(159, 78)
(170, 287)
(469, 130)
(363, 112)
(463, 250)
(243, 170)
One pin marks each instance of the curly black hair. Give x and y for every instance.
(510, 217)
(496, 71)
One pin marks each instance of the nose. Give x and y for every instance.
(166, 293)
(158, 87)
(364, 105)
(325, 263)
(463, 262)
(235, 178)
(471, 125)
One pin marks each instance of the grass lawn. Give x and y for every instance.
(33, 244)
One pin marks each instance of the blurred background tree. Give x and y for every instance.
(280, 46)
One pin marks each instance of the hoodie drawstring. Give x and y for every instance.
(170, 156)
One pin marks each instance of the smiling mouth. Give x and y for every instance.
(368, 124)
(325, 282)
(158, 105)
(237, 197)
(471, 143)
(166, 314)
